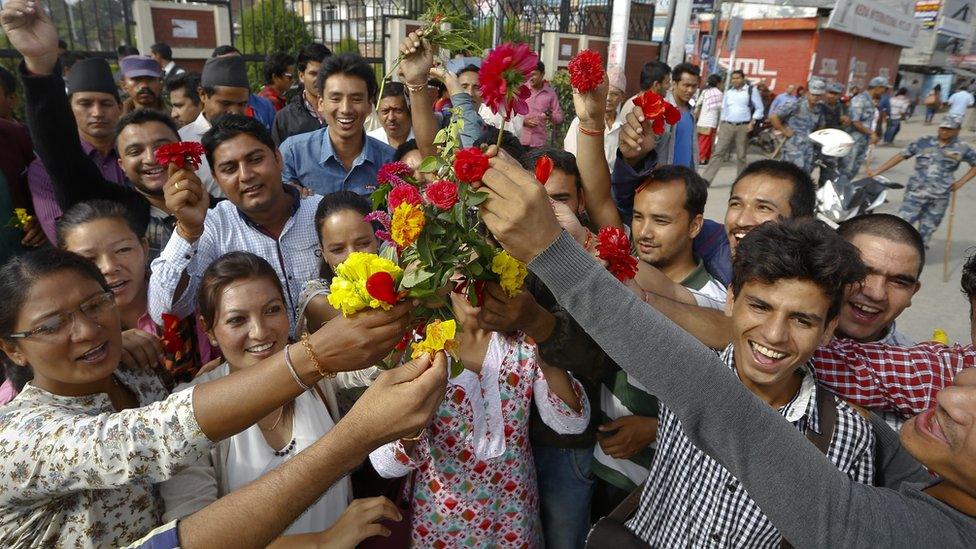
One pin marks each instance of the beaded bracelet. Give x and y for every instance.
(591, 133)
(314, 358)
(291, 368)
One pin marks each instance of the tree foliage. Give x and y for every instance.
(271, 25)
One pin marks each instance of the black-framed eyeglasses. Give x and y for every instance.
(94, 308)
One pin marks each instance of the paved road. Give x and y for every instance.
(937, 304)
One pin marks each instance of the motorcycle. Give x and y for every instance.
(762, 138)
(839, 198)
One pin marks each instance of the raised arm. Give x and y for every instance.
(418, 58)
(590, 156)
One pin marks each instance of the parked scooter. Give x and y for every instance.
(839, 198)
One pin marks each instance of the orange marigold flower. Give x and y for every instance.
(408, 221)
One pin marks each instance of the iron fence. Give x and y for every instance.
(94, 27)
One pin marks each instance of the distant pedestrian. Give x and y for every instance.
(797, 120)
(741, 109)
(900, 104)
(709, 109)
(862, 113)
(932, 103)
(163, 54)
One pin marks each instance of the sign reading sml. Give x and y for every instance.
(184, 28)
(754, 69)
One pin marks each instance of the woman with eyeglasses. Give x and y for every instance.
(83, 445)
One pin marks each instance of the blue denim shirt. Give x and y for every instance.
(311, 161)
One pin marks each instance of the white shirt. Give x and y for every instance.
(735, 104)
(295, 256)
(611, 138)
(959, 102)
(194, 132)
(514, 126)
(168, 69)
(380, 135)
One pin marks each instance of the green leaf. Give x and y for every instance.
(441, 137)
(456, 367)
(477, 198)
(413, 277)
(378, 196)
(431, 164)
(389, 252)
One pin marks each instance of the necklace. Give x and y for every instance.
(286, 450)
(281, 414)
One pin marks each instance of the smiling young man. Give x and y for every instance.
(260, 215)
(96, 107)
(340, 156)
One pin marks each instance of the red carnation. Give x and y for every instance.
(543, 169)
(657, 110)
(172, 342)
(442, 193)
(393, 173)
(403, 193)
(613, 246)
(183, 154)
(470, 165)
(502, 78)
(586, 71)
(380, 285)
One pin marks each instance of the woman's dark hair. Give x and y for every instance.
(17, 374)
(86, 212)
(20, 272)
(333, 203)
(804, 249)
(404, 148)
(227, 269)
(351, 64)
(228, 126)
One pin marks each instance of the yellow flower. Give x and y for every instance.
(511, 271)
(939, 336)
(347, 292)
(20, 219)
(408, 221)
(439, 337)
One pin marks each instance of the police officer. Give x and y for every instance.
(834, 110)
(797, 120)
(930, 187)
(862, 111)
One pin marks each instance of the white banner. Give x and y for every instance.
(874, 20)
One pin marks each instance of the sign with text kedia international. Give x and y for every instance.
(874, 20)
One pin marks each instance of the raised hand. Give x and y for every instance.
(31, 32)
(418, 58)
(448, 78)
(187, 200)
(637, 137)
(591, 107)
(359, 521)
(363, 339)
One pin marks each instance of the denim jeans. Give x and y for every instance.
(893, 127)
(565, 490)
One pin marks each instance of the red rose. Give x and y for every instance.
(470, 165)
(403, 193)
(586, 71)
(543, 169)
(380, 286)
(442, 193)
(172, 342)
(183, 154)
(657, 110)
(613, 246)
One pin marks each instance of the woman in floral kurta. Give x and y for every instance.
(474, 481)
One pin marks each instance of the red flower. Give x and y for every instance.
(657, 110)
(442, 193)
(543, 169)
(183, 154)
(384, 220)
(614, 248)
(586, 71)
(172, 342)
(403, 193)
(470, 165)
(380, 285)
(502, 78)
(393, 173)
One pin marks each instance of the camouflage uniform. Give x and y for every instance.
(928, 191)
(832, 115)
(803, 120)
(861, 110)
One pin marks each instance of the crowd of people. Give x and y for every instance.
(748, 388)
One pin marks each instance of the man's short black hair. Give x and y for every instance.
(163, 50)
(277, 64)
(395, 89)
(886, 226)
(62, 45)
(351, 64)
(142, 116)
(804, 249)
(224, 50)
(562, 160)
(70, 58)
(652, 73)
(126, 50)
(969, 278)
(739, 72)
(685, 68)
(470, 67)
(229, 126)
(189, 82)
(510, 143)
(803, 199)
(696, 188)
(311, 52)
(8, 82)
(714, 80)
(541, 67)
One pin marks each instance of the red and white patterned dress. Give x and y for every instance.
(474, 483)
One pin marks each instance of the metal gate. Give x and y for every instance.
(95, 27)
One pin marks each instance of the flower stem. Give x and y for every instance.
(501, 132)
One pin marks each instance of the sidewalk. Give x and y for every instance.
(937, 304)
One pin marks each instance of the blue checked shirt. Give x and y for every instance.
(311, 161)
(690, 500)
(295, 256)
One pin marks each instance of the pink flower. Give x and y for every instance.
(393, 173)
(502, 78)
(384, 220)
(403, 193)
(443, 194)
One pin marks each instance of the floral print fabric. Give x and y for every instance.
(75, 473)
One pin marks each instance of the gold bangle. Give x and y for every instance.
(419, 436)
(186, 235)
(589, 132)
(415, 88)
(314, 359)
